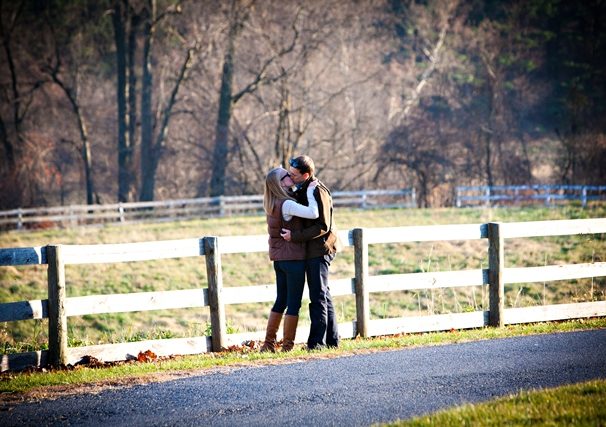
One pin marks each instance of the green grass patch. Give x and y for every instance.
(581, 404)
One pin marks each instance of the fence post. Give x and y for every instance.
(73, 219)
(215, 291)
(19, 219)
(361, 273)
(221, 206)
(121, 212)
(57, 318)
(487, 196)
(496, 265)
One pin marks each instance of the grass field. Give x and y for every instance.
(29, 282)
(581, 404)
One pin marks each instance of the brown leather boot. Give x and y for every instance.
(290, 331)
(273, 323)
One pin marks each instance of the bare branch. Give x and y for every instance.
(260, 77)
(434, 59)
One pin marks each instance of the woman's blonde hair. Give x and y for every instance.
(274, 190)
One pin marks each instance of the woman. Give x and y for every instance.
(289, 258)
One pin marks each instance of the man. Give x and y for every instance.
(320, 250)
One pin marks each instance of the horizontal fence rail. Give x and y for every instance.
(550, 195)
(205, 207)
(58, 308)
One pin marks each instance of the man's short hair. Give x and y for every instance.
(304, 164)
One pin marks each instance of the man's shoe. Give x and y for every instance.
(316, 347)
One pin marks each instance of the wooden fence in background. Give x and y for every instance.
(507, 195)
(58, 307)
(170, 210)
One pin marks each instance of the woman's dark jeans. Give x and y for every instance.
(290, 281)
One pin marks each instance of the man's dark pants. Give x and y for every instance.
(324, 329)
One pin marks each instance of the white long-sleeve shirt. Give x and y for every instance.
(291, 208)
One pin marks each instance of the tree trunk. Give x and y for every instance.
(12, 138)
(221, 149)
(283, 148)
(158, 146)
(121, 98)
(91, 196)
(488, 156)
(9, 150)
(133, 27)
(9, 147)
(148, 165)
(219, 163)
(423, 189)
(124, 143)
(491, 118)
(150, 156)
(85, 152)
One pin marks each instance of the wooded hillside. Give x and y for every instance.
(125, 100)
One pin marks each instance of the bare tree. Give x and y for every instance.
(237, 16)
(7, 29)
(123, 32)
(321, 102)
(263, 74)
(56, 69)
(20, 87)
(152, 147)
(426, 50)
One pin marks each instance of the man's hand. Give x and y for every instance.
(285, 233)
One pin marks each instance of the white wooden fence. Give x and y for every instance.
(208, 207)
(205, 207)
(506, 195)
(57, 308)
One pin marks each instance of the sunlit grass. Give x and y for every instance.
(581, 404)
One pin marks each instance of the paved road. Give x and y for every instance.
(354, 391)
